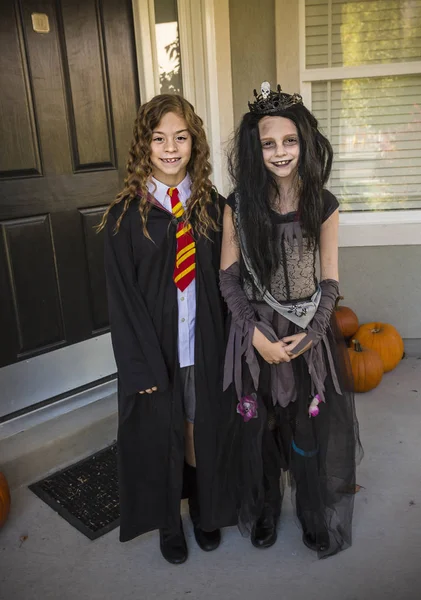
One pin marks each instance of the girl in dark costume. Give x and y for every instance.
(284, 353)
(162, 254)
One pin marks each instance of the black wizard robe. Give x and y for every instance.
(144, 316)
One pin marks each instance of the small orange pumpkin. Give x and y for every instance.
(347, 319)
(384, 339)
(367, 367)
(4, 499)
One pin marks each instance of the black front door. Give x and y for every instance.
(68, 99)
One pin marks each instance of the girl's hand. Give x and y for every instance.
(292, 341)
(150, 391)
(273, 352)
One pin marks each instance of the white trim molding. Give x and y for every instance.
(375, 70)
(44, 414)
(383, 228)
(147, 59)
(193, 59)
(218, 85)
(39, 378)
(192, 69)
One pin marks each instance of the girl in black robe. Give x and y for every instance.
(284, 354)
(166, 411)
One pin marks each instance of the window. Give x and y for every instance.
(361, 73)
(168, 47)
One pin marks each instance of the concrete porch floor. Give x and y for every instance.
(57, 562)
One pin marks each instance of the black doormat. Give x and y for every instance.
(85, 494)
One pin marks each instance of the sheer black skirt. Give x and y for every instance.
(320, 453)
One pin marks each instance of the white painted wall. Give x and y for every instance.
(383, 284)
(253, 55)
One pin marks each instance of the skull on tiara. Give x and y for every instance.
(268, 102)
(265, 89)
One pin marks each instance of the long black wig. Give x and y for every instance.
(256, 185)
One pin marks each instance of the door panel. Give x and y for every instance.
(92, 138)
(29, 248)
(96, 274)
(19, 139)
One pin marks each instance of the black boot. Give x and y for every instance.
(173, 545)
(264, 531)
(264, 534)
(319, 542)
(206, 540)
(315, 534)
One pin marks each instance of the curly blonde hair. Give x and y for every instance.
(140, 168)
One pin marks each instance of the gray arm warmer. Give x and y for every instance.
(233, 294)
(320, 322)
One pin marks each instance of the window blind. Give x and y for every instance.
(374, 125)
(352, 33)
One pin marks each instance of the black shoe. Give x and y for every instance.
(319, 542)
(207, 540)
(173, 545)
(264, 534)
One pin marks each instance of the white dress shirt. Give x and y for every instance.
(187, 299)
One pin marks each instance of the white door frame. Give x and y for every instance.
(206, 68)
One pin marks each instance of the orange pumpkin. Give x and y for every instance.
(4, 500)
(347, 319)
(367, 367)
(384, 339)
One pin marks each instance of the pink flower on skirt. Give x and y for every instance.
(247, 407)
(313, 409)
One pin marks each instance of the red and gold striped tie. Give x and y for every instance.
(185, 263)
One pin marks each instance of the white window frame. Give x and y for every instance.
(206, 68)
(358, 228)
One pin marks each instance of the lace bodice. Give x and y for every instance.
(295, 277)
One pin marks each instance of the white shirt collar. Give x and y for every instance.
(161, 190)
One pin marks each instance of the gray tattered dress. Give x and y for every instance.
(320, 452)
